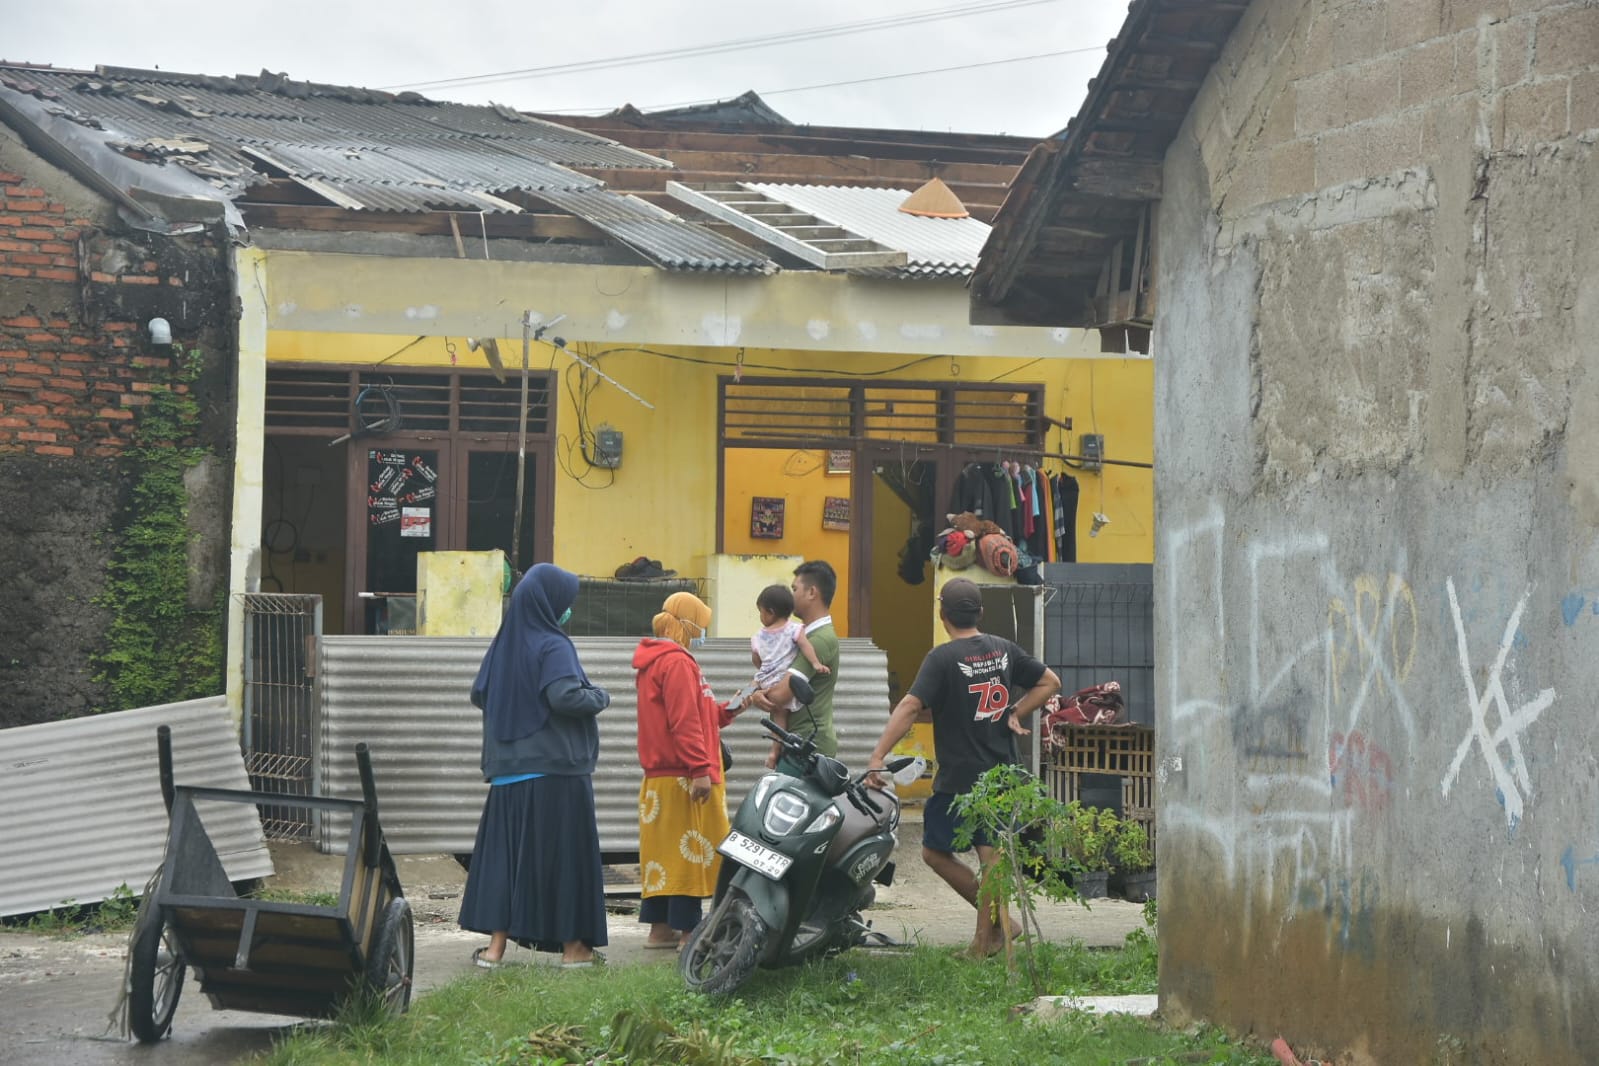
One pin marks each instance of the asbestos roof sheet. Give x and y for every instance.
(934, 247)
(655, 232)
(373, 150)
(80, 802)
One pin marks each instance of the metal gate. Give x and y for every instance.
(1099, 625)
(280, 641)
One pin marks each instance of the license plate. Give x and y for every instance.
(757, 857)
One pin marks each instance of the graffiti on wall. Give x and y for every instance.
(1508, 767)
(1255, 662)
(1360, 771)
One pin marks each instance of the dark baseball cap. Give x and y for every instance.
(962, 599)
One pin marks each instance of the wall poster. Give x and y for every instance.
(835, 513)
(766, 517)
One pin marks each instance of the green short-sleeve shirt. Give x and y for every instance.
(820, 713)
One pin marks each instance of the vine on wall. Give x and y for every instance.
(158, 649)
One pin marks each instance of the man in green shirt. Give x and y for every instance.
(814, 585)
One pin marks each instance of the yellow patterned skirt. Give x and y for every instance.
(677, 837)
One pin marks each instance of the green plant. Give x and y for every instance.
(1131, 848)
(925, 1006)
(158, 649)
(118, 910)
(64, 919)
(313, 897)
(1028, 829)
(1090, 834)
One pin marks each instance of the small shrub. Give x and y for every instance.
(1131, 848)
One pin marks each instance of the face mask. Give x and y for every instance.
(695, 643)
(566, 616)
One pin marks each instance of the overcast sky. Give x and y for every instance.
(396, 42)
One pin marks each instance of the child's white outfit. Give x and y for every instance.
(777, 647)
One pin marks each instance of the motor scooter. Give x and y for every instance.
(798, 867)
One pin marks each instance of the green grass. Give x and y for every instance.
(927, 1006)
(115, 914)
(289, 895)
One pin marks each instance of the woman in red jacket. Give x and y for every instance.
(682, 804)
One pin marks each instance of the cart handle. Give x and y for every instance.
(163, 747)
(369, 799)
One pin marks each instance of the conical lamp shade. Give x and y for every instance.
(935, 200)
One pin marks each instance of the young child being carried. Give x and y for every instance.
(780, 638)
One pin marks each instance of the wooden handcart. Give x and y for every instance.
(264, 955)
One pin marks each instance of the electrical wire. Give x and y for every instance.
(768, 366)
(849, 81)
(585, 439)
(844, 29)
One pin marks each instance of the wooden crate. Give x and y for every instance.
(1126, 751)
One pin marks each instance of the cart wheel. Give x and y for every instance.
(389, 966)
(155, 976)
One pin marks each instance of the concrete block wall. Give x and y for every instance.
(1378, 565)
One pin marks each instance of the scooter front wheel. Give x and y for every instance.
(722, 951)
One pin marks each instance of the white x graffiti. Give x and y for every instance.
(1511, 723)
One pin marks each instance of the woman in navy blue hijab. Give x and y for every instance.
(535, 875)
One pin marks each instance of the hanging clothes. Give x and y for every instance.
(1000, 488)
(1029, 507)
(1051, 550)
(1066, 518)
(973, 492)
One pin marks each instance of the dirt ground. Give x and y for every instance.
(55, 994)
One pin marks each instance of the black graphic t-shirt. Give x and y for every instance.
(968, 685)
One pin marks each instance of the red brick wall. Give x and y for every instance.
(75, 364)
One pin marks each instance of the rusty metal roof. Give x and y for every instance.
(1084, 194)
(375, 150)
(357, 149)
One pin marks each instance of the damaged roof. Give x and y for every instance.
(1079, 212)
(152, 138)
(268, 152)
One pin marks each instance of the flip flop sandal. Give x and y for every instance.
(596, 960)
(487, 964)
(662, 945)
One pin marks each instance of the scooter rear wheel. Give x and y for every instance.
(722, 951)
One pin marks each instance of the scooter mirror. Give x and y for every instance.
(905, 770)
(802, 689)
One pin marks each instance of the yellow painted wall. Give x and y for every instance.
(899, 611)
(459, 594)
(800, 478)
(662, 501)
(732, 584)
(1114, 397)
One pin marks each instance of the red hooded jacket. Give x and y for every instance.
(679, 721)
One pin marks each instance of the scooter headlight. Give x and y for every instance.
(784, 813)
(764, 786)
(826, 820)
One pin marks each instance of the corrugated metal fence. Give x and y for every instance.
(407, 698)
(81, 810)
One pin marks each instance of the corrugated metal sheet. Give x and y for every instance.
(406, 698)
(653, 231)
(370, 151)
(81, 810)
(935, 247)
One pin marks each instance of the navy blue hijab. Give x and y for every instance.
(528, 653)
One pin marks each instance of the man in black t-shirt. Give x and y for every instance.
(967, 685)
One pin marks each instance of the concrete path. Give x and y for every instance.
(55, 994)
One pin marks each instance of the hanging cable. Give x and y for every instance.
(982, 7)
